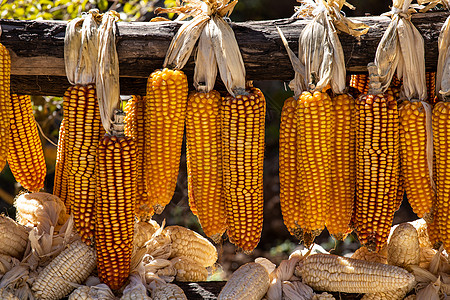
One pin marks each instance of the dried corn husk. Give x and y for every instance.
(443, 68)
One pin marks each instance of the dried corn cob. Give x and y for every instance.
(403, 247)
(5, 294)
(204, 163)
(377, 165)
(115, 207)
(168, 291)
(165, 108)
(414, 163)
(363, 253)
(315, 134)
(398, 294)
(186, 242)
(60, 182)
(360, 81)
(250, 281)
(83, 131)
(243, 157)
(343, 166)
(433, 232)
(16, 236)
(188, 269)
(430, 78)
(73, 265)
(135, 290)
(323, 296)
(333, 273)
(25, 154)
(97, 292)
(135, 128)
(441, 137)
(5, 104)
(289, 200)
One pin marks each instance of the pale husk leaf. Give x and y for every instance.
(205, 71)
(430, 292)
(443, 67)
(72, 45)
(296, 290)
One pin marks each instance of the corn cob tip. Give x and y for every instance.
(158, 208)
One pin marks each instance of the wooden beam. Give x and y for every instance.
(37, 52)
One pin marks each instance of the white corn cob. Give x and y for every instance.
(363, 253)
(135, 290)
(398, 294)
(250, 281)
(5, 294)
(403, 247)
(327, 272)
(98, 292)
(14, 237)
(323, 296)
(168, 291)
(73, 265)
(188, 269)
(186, 242)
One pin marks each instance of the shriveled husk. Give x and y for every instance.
(443, 68)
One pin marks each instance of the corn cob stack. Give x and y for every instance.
(204, 161)
(377, 167)
(343, 162)
(414, 162)
(135, 128)
(25, 154)
(243, 119)
(5, 104)
(165, 108)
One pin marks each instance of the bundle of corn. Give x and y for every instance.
(82, 125)
(135, 128)
(25, 154)
(441, 134)
(321, 130)
(5, 103)
(115, 169)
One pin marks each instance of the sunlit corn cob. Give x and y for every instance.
(83, 131)
(5, 103)
(243, 119)
(360, 81)
(377, 168)
(343, 166)
(96, 292)
(363, 253)
(60, 181)
(14, 237)
(250, 281)
(204, 161)
(327, 272)
(5, 294)
(135, 128)
(165, 108)
(314, 138)
(25, 154)
(441, 141)
(323, 296)
(413, 154)
(289, 200)
(72, 266)
(403, 247)
(186, 242)
(115, 208)
(168, 291)
(188, 269)
(430, 78)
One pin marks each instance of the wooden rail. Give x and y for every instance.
(36, 49)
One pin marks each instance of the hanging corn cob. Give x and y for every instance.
(25, 154)
(135, 128)
(360, 81)
(60, 182)
(431, 86)
(321, 131)
(82, 123)
(116, 169)
(5, 103)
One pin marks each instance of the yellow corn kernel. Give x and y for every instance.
(360, 81)
(135, 128)
(289, 199)
(165, 107)
(250, 281)
(328, 272)
(188, 269)
(115, 208)
(16, 236)
(204, 162)
(5, 104)
(414, 163)
(377, 168)
(243, 119)
(441, 140)
(72, 266)
(314, 138)
(83, 131)
(25, 154)
(343, 166)
(186, 242)
(60, 181)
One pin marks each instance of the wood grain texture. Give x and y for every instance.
(37, 49)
